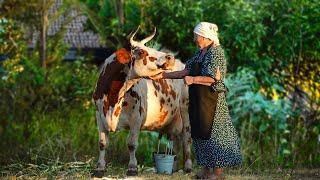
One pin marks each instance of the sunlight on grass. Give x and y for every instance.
(81, 170)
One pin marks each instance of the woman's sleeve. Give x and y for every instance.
(214, 60)
(189, 63)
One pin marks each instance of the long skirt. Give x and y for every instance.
(215, 139)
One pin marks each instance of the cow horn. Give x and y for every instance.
(147, 39)
(133, 42)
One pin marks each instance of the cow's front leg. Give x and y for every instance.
(132, 142)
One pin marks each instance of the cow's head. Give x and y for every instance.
(148, 61)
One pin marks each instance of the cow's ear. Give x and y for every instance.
(123, 56)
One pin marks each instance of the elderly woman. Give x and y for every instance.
(214, 137)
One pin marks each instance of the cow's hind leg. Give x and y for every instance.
(132, 142)
(176, 149)
(186, 139)
(103, 143)
(186, 143)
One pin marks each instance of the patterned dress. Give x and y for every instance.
(221, 147)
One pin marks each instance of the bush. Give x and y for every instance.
(269, 130)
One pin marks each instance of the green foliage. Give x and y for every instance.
(45, 112)
(33, 101)
(268, 129)
(148, 14)
(48, 114)
(12, 43)
(104, 20)
(280, 44)
(175, 21)
(34, 17)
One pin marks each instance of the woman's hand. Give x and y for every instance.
(189, 80)
(157, 76)
(218, 74)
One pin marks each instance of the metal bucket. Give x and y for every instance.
(164, 163)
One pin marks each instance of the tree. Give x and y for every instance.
(36, 16)
(119, 11)
(112, 19)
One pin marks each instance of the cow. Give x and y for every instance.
(125, 98)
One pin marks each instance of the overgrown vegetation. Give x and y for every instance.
(47, 114)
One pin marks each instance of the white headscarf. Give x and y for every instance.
(208, 30)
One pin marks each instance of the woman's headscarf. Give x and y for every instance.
(208, 30)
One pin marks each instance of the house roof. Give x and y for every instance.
(75, 36)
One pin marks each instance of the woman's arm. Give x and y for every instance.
(171, 75)
(175, 74)
(204, 80)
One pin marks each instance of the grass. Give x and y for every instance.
(81, 170)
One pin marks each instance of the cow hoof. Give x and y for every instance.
(132, 172)
(97, 173)
(188, 170)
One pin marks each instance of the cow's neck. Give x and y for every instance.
(132, 75)
(131, 80)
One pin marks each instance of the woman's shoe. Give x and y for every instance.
(215, 177)
(203, 173)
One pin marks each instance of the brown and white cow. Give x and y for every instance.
(125, 99)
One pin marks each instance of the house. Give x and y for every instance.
(82, 42)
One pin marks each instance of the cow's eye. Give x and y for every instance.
(169, 57)
(136, 51)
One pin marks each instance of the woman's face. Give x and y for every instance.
(200, 41)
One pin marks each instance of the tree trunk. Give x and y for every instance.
(119, 11)
(43, 36)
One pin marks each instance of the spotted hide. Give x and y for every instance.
(126, 99)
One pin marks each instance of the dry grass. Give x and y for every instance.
(81, 170)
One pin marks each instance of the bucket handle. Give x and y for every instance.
(169, 147)
(158, 146)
